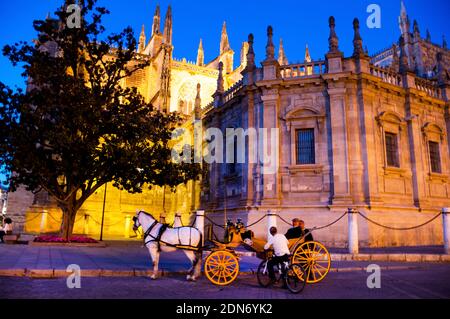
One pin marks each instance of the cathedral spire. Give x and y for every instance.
(198, 103)
(244, 51)
(307, 55)
(428, 36)
(404, 64)
(167, 39)
(416, 30)
(357, 40)
(220, 81)
(200, 54)
(270, 48)
(142, 40)
(251, 53)
(443, 75)
(156, 21)
(402, 9)
(395, 60)
(218, 95)
(282, 59)
(403, 19)
(224, 43)
(333, 41)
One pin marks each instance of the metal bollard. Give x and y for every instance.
(271, 222)
(86, 224)
(200, 223)
(446, 228)
(177, 221)
(353, 247)
(127, 226)
(43, 225)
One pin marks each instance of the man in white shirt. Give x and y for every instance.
(281, 250)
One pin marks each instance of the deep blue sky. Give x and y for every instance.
(298, 22)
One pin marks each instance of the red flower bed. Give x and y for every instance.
(58, 239)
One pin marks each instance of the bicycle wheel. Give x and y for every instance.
(295, 278)
(263, 274)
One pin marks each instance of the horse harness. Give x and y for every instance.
(161, 231)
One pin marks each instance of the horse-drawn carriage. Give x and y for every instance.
(222, 264)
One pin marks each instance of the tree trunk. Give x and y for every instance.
(68, 222)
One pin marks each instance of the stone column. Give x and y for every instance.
(126, 230)
(252, 146)
(356, 166)
(416, 150)
(338, 121)
(269, 144)
(369, 149)
(353, 247)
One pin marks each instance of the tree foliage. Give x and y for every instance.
(77, 127)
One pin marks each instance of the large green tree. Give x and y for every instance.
(76, 127)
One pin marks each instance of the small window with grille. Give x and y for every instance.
(305, 147)
(435, 157)
(392, 150)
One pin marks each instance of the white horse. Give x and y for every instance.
(158, 237)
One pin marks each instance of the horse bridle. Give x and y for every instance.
(147, 232)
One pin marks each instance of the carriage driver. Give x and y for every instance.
(281, 251)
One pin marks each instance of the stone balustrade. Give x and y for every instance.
(231, 92)
(429, 87)
(386, 75)
(302, 69)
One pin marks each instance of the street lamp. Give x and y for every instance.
(103, 213)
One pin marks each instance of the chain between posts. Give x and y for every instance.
(281, 218)
(35, 217)
(399, 228)
(104, 225)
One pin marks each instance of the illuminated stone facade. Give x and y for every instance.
(351, 134)
(377, 127)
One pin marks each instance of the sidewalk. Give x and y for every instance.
(131, 259)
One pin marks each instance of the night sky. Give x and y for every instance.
(297, 22)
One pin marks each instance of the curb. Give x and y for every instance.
(393, 257)
(46, 244)
(378, 257)
(61, 273)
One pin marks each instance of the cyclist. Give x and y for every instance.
(281, 251)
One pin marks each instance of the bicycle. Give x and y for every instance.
(293, 275)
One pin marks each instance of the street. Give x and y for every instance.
(425, 281)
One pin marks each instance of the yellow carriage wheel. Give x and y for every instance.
(221, 267)
(315, 259)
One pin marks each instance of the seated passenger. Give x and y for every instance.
(295, 231)
(298, 230)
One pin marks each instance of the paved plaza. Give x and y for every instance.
(430, 281)
(121, 269)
